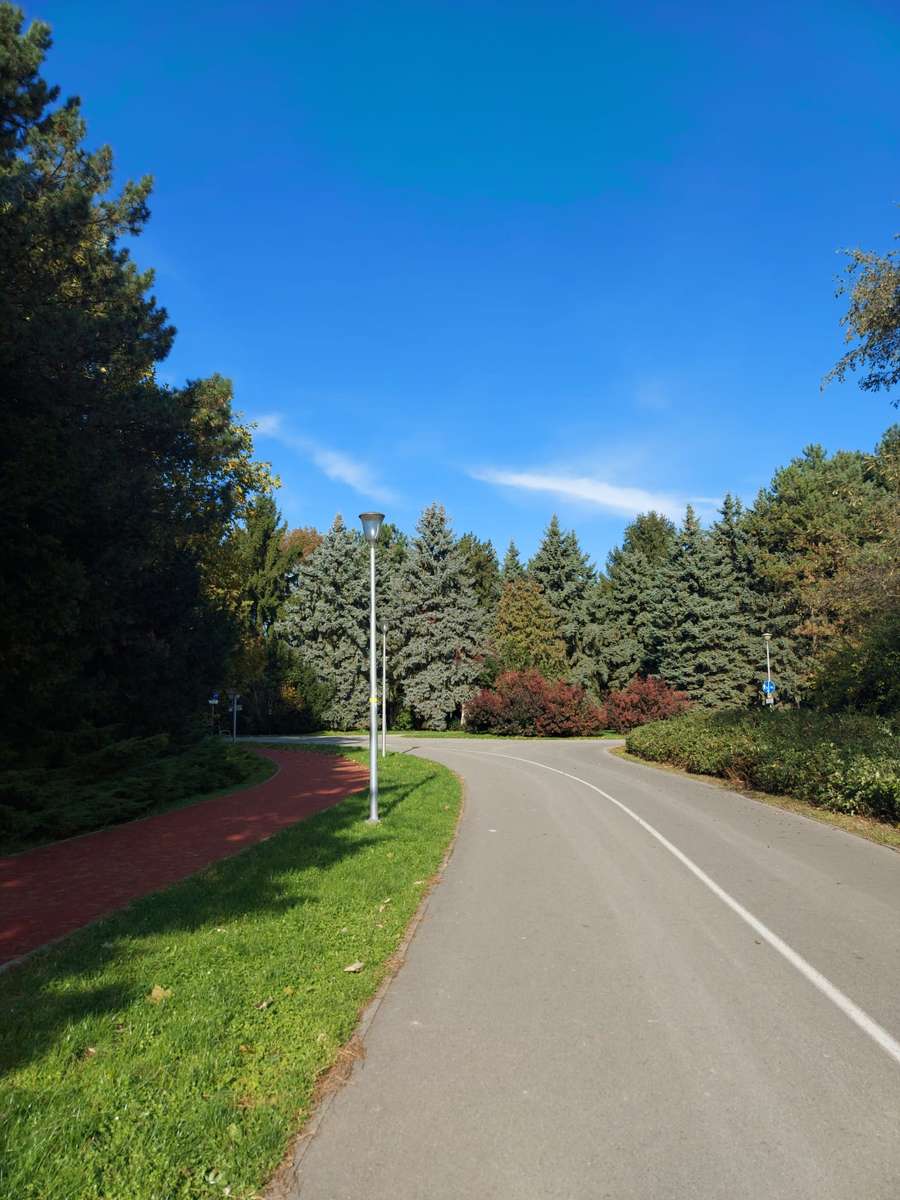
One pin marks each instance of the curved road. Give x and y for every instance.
(629, 985)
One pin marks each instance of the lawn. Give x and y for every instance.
(172, 1050)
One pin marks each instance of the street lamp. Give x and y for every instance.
(371, 523)
(383, 690)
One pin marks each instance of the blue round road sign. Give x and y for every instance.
(768, 687)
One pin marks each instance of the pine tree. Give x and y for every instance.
(512, 565)
(526, 631)
(327, 621)
(439, 626)
(116, 490)
(564, 574)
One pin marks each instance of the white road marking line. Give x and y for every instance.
(858, 1016)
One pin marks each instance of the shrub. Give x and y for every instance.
(523, 703)
(844, 763)
(44, 803)
(642, 701)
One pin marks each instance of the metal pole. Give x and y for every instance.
(383, 690)
(234, 701)
(768, 663)
(373, 697)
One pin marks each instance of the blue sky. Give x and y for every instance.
(517, 257)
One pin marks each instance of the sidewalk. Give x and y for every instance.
(56, 889)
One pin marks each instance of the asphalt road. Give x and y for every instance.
(656, 990)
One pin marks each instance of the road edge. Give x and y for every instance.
(285, 1182)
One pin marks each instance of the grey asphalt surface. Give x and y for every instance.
(580, 1017)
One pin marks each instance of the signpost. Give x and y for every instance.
(768, 687)
(234, 696)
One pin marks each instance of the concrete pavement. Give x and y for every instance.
(582, 1014)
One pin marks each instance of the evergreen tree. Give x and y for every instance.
(813, 527)
(702, 643)
(327, 621)
(618, 639)
(564, 575)
(526, 632)
(115, 491)
(439, 626)
(512, 565)
(483, 569)
(265, 559)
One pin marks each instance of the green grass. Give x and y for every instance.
(106, 1094)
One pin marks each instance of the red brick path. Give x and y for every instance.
(51, 891)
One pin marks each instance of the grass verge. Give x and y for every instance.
(172, 1050)
(865, 827)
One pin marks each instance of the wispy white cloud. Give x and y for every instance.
(334, 464)
(610, 497)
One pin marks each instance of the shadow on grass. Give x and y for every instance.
(92, 973)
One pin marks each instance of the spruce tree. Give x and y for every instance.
(483, 569)
(512, 564)
(564, 574)
(618, 638)
(327, 621)
(265, 559)
(439, 625)
(701, 610)
(526, 631)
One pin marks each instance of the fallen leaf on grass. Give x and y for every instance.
(355, 968)
(157, 994)
(289, 991)
(418, 882)
(89, 1052)
(264, 1004)
(245, 1049)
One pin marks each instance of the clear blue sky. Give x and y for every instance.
(518, 257)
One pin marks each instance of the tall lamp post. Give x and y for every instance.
(383, 690)
(371, 523)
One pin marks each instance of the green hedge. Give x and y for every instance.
(846, 763)
(111, 783)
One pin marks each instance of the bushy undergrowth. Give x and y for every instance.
(642, 701)
(524, 704)
(91, 782)
(845, 763)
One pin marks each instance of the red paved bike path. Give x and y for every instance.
(51, 891)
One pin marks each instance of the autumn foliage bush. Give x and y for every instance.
(642, 701)
(524, 703)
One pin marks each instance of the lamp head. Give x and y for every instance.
(371, 523)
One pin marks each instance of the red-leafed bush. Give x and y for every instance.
(523, 703)
(642, 701)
